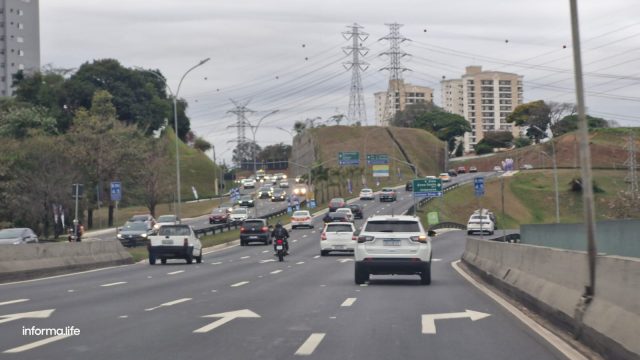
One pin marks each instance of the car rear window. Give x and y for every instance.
(174, 231)
(392, 226)
(339, 228)
(300, 214)
(253, 223)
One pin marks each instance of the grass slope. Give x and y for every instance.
(530, 199)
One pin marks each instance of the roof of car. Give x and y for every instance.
(392, 217)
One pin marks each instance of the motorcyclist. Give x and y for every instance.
(279, 232)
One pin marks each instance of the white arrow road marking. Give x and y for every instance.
(225, 318)
(42, 314)
(36, 344)
(276, 271)
(13, 302)
(266, 261)
(114, 284)
(348, 302)
(174, 302)
(240, 284)
(175, 272)
(310, 345)
(429, 320)
(345, 260)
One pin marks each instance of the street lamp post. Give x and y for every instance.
(415, 176)
(175, 125)
(555, 174)
(254, 130)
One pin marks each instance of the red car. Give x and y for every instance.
(336, 203)
(462, 170)
(219, 215)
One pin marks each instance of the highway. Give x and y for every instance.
(242, 304)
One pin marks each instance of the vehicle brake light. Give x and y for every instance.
(420, 239)
(279, 242)
(364, 238)
(323, 236)
(242, 229)
(264, 229)
(354, 238)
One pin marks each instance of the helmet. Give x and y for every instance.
(278, 225)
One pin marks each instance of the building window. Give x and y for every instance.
(20, 26)
(20, 66)
(504, 82)
(20, 12)
(20, 39)
(486, 82)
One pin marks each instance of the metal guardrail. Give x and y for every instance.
(448, 225)
(226, 227)
(445, 189)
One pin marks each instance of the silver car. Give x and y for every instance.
(18, 236)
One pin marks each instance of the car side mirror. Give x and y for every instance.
(431, 233)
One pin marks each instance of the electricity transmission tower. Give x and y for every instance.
(241, 124)
(631, 163)
(357, 111)
(392, 103)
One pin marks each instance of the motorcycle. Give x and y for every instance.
(280, 249)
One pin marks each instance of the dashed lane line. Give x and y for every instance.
(170, 303)
(300, 263)
(310, 345)
(13, 301)
(175, 272)
(348, 302)
(114, 284)
(36, 344)
(317, 256)
(216, 263)
(276, 271)
(240, 284)
(245, 257)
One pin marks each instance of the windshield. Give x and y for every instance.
(11, 233)
(139, 218)
(394, 226)
(246, 197)
(239, 211)
(301, 213)
(167, 218)
(174, 231)
(253, 223)
(134, 226)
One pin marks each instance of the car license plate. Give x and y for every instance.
(279, 247)
(391, 242)
(167, 242)
(338, 246)
(253, 237)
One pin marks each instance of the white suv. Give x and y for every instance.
(337, 236)
(393, 245)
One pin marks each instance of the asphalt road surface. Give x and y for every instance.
(242, 304)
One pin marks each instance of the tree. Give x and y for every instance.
(483, 148)
(45, 89)
(446, 126)
(570, 123)
(243, 153)
(558, 111)
(275, 152)
(536, 115)
(299, 127)
(201, 144)
(409, 116)
(460, 149)
(522, 142)
(337, 118)
(23, 121)
(497, 139)
(155, 176)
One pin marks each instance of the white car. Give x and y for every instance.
(497, 168)
(239, 214)
(393, 245)
(367, 194)
(482, 221)
(346, 211)
(301, 218)
(165, 220)
(248, 183)
(337, 236)
(175, 242)
(283, 184)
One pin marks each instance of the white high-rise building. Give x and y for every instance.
(405, 94)
(19, 40)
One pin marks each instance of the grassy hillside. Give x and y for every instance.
(608, 151)
(196, 169)
(529, 199)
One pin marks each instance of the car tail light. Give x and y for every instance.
(279, 242)
(185, 242)
(364, 238)
(420, 239)
(323, 236)
(264, 229)
(354, 238)
(242, 229)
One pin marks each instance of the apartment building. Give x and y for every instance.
(400, 95)
(19, 40)
(488, 97)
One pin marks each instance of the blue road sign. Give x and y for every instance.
(116, 191)
(478, 185)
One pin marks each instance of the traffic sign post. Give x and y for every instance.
(116, 191)
(348, 158)
(427, 187)
(478, 185)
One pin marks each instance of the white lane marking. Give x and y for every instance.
(214, 291)
(245, 257)
(300, 263)
(174, 302)
(114, 284)
(348, 302)
(429, 320)
(345, 260)
(71, 290)
(175, 272)
(296, 240)
(266, 261)
(304, 236)
(323, 285)
(317, 256)
(42, 314)
(313, 232)
(36, 344)
(266, 251)
(552, 338)
(309, 346)
(436, 260)
(149, 277)
(363, 285)
(123, 316)
(218, 250)
(332, 317)
(216, 263)
(225, 318)
(13, 301)
(276, 271)
(240, 284)
(260, 276)
(64, 275)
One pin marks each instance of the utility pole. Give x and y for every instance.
(357, 111)
(393, 99)
(241, 124)
(631, 163)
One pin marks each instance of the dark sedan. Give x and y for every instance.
(356, 210)
(279, 195)
(246, 200)
(335, 217)
(134, 233)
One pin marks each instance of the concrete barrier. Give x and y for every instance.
(551, 282)
(22, 262)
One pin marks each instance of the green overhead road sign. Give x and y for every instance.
(377, 159)
(427, 187)
(349, 158)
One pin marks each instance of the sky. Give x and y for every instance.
(287, 55)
